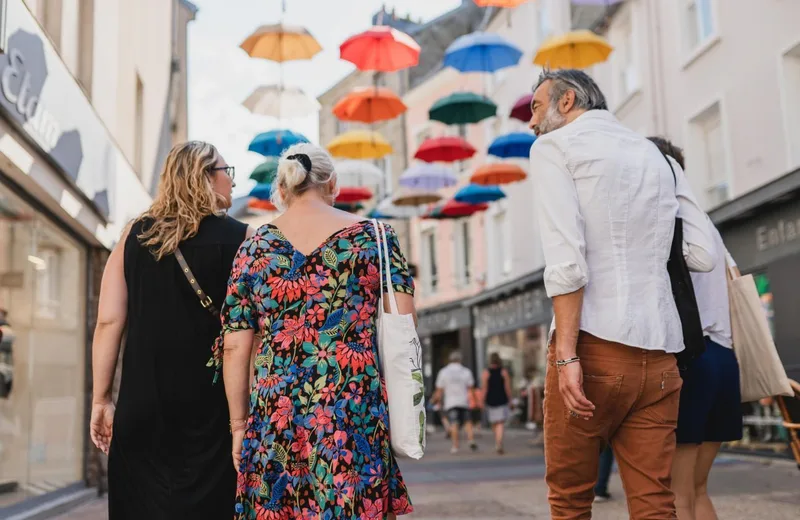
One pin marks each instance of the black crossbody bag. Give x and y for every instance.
(683, 293)
(205, 300)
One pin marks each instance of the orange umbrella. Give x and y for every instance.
(263, 205)
(500, 3)
(369, 105)
(281, 43)
(498, 173)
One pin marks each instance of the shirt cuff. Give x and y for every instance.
(564, 278)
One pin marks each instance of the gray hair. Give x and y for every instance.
(588, 95)
(455, 356)
(292, 179)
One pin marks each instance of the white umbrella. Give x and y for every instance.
(279, 102)
(389, 208)
(358, 173)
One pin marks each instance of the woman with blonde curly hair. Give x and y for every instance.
(169, 455)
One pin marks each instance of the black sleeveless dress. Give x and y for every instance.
(496, 389)
(170, 454)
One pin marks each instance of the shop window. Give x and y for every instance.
(698, 22)
(711, 167)
(47, 264)
(791, 97)
(462, 257)
(430, 275)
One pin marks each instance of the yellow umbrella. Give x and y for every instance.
(281, 43)
(360, 144)
(573, 50)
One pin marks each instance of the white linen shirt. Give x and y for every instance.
(607, 208)
(711, 292)
(455, 380)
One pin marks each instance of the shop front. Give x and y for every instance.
(513, 320)
(442, 330)
(61, 207)
(762, 232)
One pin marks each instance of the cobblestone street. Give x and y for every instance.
(486, 486)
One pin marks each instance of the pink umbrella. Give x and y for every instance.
(522, 108)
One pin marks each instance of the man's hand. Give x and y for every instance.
(570, 384)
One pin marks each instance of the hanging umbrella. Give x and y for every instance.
(453, 208)
(573, 50)
(369, 105)
(349, 207)
(277, 101)
(274, 142)
(281, 43)
(434, 212)
(265, 172)
(381, 48)
(481, 52)
(522, 108)
(389, 208)
(357, 173)
(352, 194)
(261, 205)
(515, 144)
(261, 192)
(462, 108)
(445, 149)
(416, 198)
(509, 4)
(590, 2)
(476, 194)
(378, 214)
(429, 177)
(493, 174)
(360, 144)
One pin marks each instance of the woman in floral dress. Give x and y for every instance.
(313, 440)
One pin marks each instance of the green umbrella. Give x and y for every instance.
(265, 172)
(462, 108)
(352, 208)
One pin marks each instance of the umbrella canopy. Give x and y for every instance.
(357, 173)
(591, 2)
(381, 48)
(359, 144)
(277, 101)
(274, 142)
(353, 194)
(265, 172)
(462, 108)
(453, 208)
(515, 144)
(573, 50)
(476, 194)
(261, 205)
(445, 149)
(493, 174)
(390, 209)
(261, 191)
(481, 52)
(281, 43)
(522, 108)
(416, 198)
(369, 105)
(378, 214)
(428, 177)
(500, 3)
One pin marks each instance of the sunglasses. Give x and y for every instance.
(230, 171)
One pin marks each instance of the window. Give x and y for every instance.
(138, 138)
(422, 135)
(462, 258)
(699, 22)
(47, 263)
(429, 271)
(791, 99)
(501, 248)
(711, 154)
(51, 20)
(626, 75)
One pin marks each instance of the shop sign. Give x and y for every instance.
(527, 308)
(443, 321)
(765, 237)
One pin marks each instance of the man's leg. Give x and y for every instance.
(644, 444)
(454, 419)
(468, 427)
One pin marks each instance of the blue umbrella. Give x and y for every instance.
(476, 194)
(481, 52)
(376, 213)
(262, 191)
(515, 144)
(274, 142)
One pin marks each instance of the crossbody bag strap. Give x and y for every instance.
(205, 300)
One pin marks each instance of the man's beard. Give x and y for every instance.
(553, 120)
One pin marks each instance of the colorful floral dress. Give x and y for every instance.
(317, 438)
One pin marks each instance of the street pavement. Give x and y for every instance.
(487, 486)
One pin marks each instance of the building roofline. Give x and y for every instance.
(785, 187)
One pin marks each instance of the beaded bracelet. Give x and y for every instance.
(565, 362)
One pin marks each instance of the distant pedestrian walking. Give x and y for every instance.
(496, 384)
(601, 493)
(453, 386)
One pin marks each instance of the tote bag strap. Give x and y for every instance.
(385, 265)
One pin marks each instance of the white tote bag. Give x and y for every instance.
(400, 354)
(760, 369)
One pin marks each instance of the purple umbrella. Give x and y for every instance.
(522, 108)
(429, 177)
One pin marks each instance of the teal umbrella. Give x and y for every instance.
(265, 172)
(462, 108)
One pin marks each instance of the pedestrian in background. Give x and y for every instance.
(710, 405)
(168, 439)
(311, 436)
(607, 204)
(496, 385)
(605, 466)
(453, 386)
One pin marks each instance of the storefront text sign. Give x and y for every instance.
(443, 321)
(521, 310)
(784, 231)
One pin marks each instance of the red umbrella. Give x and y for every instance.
(453, 208)
(522, 108)
(381, 48)
(263, 205)
(446, 149)
(351, 194)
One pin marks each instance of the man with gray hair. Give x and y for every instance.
(455, 382)
(607, 208)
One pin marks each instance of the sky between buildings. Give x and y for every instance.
(221, 75)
